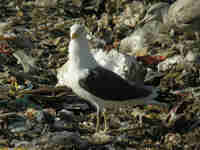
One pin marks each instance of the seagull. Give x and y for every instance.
(97, 85)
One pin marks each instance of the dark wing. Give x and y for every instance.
(110, 86)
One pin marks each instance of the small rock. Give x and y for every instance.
(150, 32)
(131, 15)
(66, 115)
(27, 61)
(192, 57)
(46, 3)
(100, 138)
(158, 12)
(168, 63)
(172, 139)
(4, 26)
(134, 43)
(64, 137)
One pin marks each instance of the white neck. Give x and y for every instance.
(79, 55)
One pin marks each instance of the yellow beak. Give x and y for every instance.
(74, 35)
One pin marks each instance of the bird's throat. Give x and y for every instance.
(79, 54)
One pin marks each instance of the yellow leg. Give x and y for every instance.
(106, 124)
(98, 120)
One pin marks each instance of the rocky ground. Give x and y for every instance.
(37, 115)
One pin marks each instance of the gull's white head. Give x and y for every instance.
(77, 31)
(79, 53)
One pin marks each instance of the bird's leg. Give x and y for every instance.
(98, 118)
(106, 125)
(98, 122)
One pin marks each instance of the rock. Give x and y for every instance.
(184, 15)
(142, 37)
(4, 26)
(46, 3)
(64, 137)
(157, 12)
(5, 32)
(66, 115)
(168, 63)
(100, 138)
(160, 18)
(192, 57)
(131, 15)
(27, 61)
(134, 43)
(172, 139)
